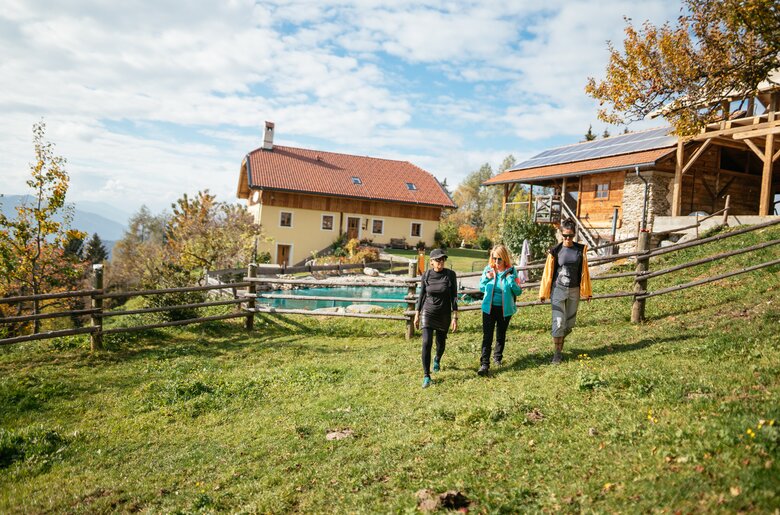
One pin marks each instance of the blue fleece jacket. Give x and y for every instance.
(509, 288)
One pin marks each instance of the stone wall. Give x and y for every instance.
(659, 202)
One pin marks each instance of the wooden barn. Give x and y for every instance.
(651, 177)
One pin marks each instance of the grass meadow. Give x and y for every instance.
(679, 414)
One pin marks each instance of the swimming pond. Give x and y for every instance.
(348, 292)
(341, 291)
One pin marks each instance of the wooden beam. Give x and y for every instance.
(774, 157)
(677, 184)
(736, 130)
(508, 189)
(696, 155)
(728, 142)
(755, 149)
(757, 134)
(769, 152)
(725, 187)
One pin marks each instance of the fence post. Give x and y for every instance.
(640, 284)
(251, 273)
(96, 337)
(725, 222)
(410, 306)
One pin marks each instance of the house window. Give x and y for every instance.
(602, 190)
(411, 186)
(416, 229)
(285, 219)
(377, 227)
(327, 222)
(356, 180)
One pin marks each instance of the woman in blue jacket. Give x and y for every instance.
(500, 286)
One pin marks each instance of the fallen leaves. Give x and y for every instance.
(428, 501)
(339, 434)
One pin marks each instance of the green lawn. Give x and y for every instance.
(660, 417)
(460, 260)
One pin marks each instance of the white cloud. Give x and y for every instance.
(149, 100)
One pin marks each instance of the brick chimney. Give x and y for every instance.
(268, 137)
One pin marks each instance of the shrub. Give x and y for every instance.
(264, 257)
(174, 276)
(484, 242)
(447, 235)
(515, 229)
(367, 254)
(352, 246)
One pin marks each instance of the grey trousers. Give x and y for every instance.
(565, 302)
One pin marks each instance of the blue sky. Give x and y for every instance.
(149, 100)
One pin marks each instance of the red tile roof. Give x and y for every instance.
(329, 173)
(589, 166)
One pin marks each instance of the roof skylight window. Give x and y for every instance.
(411, 186)
(356, 180)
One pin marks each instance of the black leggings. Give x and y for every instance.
(427, 344)
(495, 320)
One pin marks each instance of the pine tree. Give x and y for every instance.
(605, 134)
(94, 250)
(589, 136)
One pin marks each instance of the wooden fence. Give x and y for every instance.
(247, 302)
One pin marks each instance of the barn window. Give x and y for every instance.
(285, 219)
(416, 229)
(377, 227)
(602, 190)
(327, 222)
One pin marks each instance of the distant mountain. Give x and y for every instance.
(105, 210)
(108, 229)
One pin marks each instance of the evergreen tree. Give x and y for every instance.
(589, 136)
(605, 134)
(94, 250)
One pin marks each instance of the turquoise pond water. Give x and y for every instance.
(341, 291)
(345, 291)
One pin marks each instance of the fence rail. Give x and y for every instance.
(247, 308)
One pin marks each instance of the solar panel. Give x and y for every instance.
(612, 146)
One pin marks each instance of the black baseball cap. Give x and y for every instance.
(438, 253)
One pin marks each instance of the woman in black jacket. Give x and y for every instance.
(437, 310)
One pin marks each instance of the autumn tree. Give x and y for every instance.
(33, 260)
(207, 235)
(717, 49)
(137, 257)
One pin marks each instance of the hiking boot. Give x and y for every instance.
(436, 365)
(483, 370)
(427, 382)
(557, 358)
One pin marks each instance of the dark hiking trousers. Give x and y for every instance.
(494, 321)
(427, 344)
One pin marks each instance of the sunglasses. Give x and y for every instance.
(567, 236)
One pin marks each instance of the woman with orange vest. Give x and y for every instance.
(565, 281)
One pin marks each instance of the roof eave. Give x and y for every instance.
(305, 192)
(642, 166)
